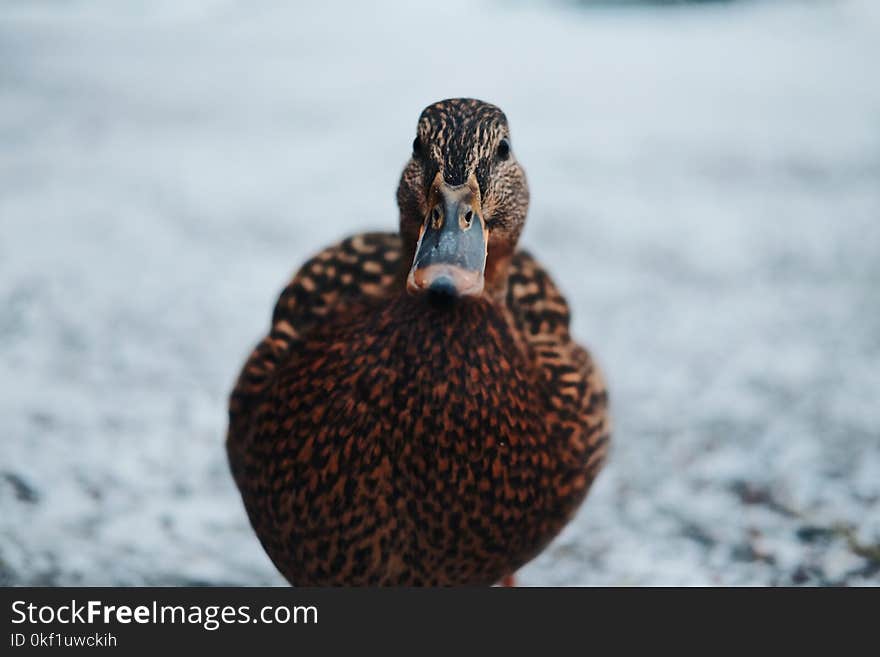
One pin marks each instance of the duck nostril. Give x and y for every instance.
(469, 215)
(435, 217)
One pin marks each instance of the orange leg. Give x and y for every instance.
(508, 581)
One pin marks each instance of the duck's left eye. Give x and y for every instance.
(503, 149)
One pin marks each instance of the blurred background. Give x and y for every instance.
(705, 190)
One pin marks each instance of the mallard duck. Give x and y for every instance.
(418, 413)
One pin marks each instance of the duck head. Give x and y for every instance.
(463, 199)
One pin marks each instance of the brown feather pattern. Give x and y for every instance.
(381, 439)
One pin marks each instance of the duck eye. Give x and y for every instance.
(503, 149)
(417, 147)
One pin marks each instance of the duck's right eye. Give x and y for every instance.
(417, 147)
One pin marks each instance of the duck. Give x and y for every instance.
(418, 413)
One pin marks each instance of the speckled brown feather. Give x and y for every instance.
(378, 438)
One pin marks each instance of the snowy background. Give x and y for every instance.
(706, 191)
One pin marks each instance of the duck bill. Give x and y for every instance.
(450, 257)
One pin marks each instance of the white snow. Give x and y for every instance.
(705, 189)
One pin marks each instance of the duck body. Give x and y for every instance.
(380, 437)
(402, 441)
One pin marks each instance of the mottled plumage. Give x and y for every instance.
(381, 436)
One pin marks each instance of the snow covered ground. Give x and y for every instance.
(706, 190)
